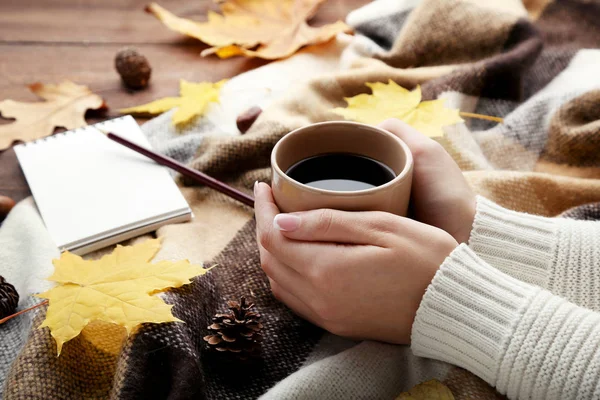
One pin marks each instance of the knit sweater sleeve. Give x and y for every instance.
(557, 254)
(520, 338)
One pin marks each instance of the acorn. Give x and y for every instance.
(245, 120)
(6, 204)
(133, 67)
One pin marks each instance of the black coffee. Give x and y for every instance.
(342, 172)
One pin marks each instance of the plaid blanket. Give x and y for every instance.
(533, 63)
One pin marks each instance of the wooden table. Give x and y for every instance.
(51, 40)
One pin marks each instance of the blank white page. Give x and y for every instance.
(89, 188)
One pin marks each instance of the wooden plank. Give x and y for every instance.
(93, 66)
(12, 181)
(115, 21)
(89, 21)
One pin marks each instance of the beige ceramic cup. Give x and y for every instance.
(342, 137)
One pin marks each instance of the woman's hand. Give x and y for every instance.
(356, 274)
(440, 194)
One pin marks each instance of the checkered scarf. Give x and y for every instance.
(534, 64)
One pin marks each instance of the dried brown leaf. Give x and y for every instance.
(65, 107)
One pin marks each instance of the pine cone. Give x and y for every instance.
(9, 298)
(236, 331)
(133, 67)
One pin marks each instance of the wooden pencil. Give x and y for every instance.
(185, 170)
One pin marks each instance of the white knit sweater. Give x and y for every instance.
(510, 306)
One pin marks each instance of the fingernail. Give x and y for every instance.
(286, 222)
(255, 187)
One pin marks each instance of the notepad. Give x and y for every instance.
(92, 192)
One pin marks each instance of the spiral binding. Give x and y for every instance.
(58, 136)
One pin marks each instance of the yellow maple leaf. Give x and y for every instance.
(64, 107)
(393, 101)
(193, 101)
(430, 390)
(118, 289)
(268, 29)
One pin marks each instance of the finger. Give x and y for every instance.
(424, 149)
(297, 305)
(265, 211)
(428, 154)
(287, 277)
(326, 225)
(300, 256)
(265, 208)
(407, 133)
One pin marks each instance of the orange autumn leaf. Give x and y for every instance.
(65, 107)
(268, 29)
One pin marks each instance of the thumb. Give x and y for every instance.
(326, 225)
(409, 135)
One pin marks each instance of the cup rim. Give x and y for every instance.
(399, 178)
